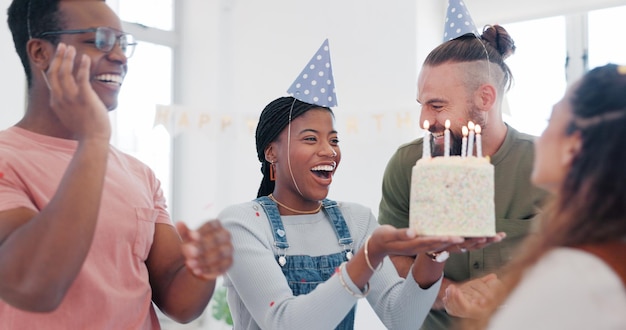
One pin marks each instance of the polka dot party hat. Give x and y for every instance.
(316, 84)
(458, 21)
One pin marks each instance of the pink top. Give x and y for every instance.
(112, 289)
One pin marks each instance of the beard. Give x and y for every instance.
(455, 146)
(456, 138)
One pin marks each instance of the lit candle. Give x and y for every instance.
(464, 142)
(470, 139)
(426, 141)
(446, 139)
(479, 144)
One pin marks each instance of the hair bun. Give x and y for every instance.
(499, 38)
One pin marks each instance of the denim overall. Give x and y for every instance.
(304, 272)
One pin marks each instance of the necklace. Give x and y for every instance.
(294, 210)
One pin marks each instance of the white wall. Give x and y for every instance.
(244, 53)
(13, 82)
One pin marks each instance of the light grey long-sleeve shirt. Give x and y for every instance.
(259, 295)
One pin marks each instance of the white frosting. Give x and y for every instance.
(453, 196)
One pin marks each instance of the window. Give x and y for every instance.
(538, 68)
(606, 35)
(538, 65)
(148, 83)
(153, 13)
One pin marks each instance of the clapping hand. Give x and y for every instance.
(208, 250)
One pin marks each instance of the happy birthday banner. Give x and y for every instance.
(178, 119)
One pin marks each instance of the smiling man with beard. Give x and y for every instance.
(465, 79)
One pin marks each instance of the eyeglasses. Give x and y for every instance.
(106, 38)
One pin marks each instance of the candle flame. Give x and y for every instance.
(465, 131)
(470, 125)
(426, 124)
(478, 129)
(447, 123)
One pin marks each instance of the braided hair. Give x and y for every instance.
(274, 119)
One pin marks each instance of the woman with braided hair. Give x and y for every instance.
(572, 275)
(302, 261)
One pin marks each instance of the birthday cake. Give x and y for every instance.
(453, 195)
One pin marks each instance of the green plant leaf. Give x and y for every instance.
(220, 308)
